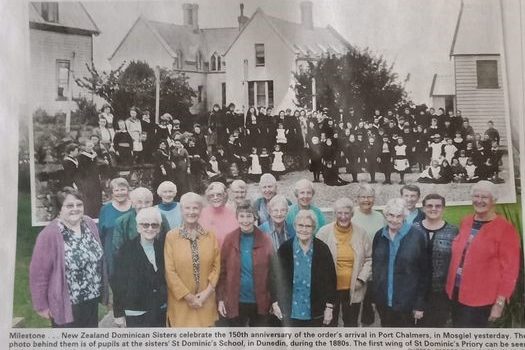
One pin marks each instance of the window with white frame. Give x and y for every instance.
(260, 93)
(62, 78)
(487, 74)
(259, 55)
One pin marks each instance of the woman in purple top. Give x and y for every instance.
(67, 273)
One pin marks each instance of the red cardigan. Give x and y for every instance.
(229, 285)
(491, 263)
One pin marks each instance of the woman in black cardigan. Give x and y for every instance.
(139, 287)
(303, 279)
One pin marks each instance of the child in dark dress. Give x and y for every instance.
(122, 143)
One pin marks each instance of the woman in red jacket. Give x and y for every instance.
(484, 264)
(243, 289)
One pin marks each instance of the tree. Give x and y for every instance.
(135, 86)
(355, 80)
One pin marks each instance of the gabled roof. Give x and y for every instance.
(303, 41)
(442, 85)
(477, 29)
(71, 16)
(175, 37)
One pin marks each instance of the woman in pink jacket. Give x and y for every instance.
(67, 275)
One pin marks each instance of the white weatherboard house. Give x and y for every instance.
(61, 43)
(478, 72)
(250, 64)
(442, 92)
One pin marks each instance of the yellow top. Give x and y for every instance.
(345, 257)
(180, 280)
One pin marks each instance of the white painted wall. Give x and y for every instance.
(279, 64)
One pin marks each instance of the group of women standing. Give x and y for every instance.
(216, 266)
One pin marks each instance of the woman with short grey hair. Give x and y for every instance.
(400, 268)
(276, 226)
(139, 285)
(217, 217)
(351, 250)
(303, 283)
(192, 258)
(304, 192)
(119, 205)
(485, 262)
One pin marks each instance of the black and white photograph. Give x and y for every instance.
(265, 163)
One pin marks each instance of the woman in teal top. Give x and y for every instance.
(167, 191)
(109, 213)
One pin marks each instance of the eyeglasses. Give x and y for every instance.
(146, 225)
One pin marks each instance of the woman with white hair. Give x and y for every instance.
(167, 191)
(484, 264)
(400, 268)
(139, 286)
(268, 188)
(351, 249)
(109, 213)
(217, 217)
(276, 226)
(126, 225)
(192, 260)
(303, 282)
(304, 192)
(237, 195)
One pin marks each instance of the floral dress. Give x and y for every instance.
(83, 264)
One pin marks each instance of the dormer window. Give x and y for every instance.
(50, 11)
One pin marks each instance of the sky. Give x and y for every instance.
(415, 35)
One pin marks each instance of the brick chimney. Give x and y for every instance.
(307, 19)
(242, 19)
(191, 15)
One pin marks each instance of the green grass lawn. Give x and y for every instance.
(27, 234)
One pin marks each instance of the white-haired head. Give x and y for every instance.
(396, 206)
(485, 186)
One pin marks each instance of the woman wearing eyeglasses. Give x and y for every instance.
(303, 278)
(439, 235)
(485, 262)
(67, 276)
(217, 216)
(139, 287)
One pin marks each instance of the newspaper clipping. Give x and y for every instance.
(267, 174)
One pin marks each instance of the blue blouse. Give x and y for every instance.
(302, 277)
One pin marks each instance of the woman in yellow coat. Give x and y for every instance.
(192, 260)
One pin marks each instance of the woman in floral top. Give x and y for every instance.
(67, 277)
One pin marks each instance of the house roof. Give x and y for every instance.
(310, 42)
(442, 85)
(303, 41)
(477, 29)
(71, 15)
(175, 37)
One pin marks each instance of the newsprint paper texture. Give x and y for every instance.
(447, 54)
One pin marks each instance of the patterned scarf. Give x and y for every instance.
(194, 246)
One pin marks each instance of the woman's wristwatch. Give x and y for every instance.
(500, 302)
